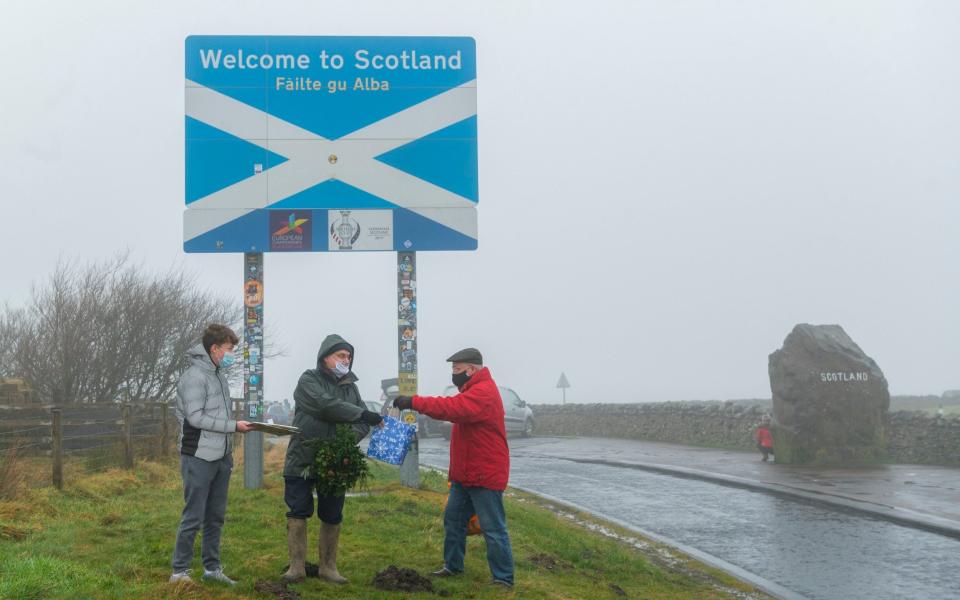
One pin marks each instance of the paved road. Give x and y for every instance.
(809, 548)
(924, 490)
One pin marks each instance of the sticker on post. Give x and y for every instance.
(253, 293)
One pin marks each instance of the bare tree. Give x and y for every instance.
(9, 326)
(108, 330)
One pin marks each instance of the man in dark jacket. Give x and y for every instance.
(325, 396)
(479, 464)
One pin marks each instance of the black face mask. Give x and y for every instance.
(460, 378)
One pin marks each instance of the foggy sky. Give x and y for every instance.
(666, 188)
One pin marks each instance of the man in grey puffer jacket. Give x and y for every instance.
(206, 422)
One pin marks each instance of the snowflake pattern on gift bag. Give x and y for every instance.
(390, 443)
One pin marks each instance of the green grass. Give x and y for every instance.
(110, 535)
(948, 409)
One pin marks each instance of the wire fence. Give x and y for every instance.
(39, 444)
(46, 445)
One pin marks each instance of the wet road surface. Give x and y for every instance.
(810, 549)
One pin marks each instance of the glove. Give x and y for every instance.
(403, 402)
(370, 418)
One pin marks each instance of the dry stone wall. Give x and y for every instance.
(912, 437)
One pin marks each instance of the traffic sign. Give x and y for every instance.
(563, 384)
(312, 144)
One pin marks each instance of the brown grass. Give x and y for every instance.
(13, 473)
(107, 484)
(12, 532)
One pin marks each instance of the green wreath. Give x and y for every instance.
(339, 465)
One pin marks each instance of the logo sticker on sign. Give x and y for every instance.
(360, 230)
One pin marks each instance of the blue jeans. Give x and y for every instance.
(487, 504)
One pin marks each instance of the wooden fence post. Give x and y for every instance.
(57, 448)
(127, 437)
(164, 431)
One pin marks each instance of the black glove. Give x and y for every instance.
(370, 418)
(403, 402)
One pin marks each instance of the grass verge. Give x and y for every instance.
(110, 535)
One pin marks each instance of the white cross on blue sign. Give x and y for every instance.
(312, 144)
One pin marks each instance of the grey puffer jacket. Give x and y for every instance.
(203, 408)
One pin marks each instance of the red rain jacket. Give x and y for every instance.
(764, 438)
(479, 456)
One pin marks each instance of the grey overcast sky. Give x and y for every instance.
(666, 187)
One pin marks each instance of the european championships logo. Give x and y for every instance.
(292, 235)
(294, 225)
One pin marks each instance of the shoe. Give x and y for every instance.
(217, 576)
(181, 577)
(502, 583)
(443, 572)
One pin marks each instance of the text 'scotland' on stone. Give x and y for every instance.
(830, 400)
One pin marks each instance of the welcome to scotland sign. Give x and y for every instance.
(319, 144)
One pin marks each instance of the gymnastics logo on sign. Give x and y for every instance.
(288, 231)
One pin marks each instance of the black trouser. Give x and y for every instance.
(766, 450)
(298, 494)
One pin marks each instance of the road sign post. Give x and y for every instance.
(407, 333)
(563, 384)
(253, 297)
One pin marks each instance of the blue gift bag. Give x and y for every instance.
(391, 442)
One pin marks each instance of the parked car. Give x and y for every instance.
(390, 389)
(517, 415)
(279, 414)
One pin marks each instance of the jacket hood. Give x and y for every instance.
(327, 347)
(199, 357)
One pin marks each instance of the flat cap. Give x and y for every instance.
(470, 356)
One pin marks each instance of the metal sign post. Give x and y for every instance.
(563, 384)
(407, 333)
(253, 367)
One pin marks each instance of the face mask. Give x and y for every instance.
(341, 368)
(228, 359)
(460, 378)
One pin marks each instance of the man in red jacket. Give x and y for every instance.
(479, 464)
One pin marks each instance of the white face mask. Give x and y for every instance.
(341, 368)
